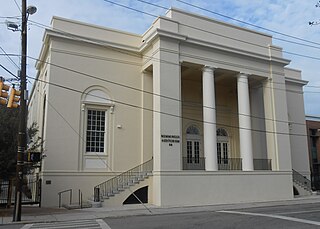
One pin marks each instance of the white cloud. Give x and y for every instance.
(290, 17)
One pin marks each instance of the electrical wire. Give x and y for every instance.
(164, 113)
(17, 5)
(10, 59)
(156, 94)
(7, 70)
(143, 91)
(84, 141)
(275, 38)
(138, 55)
(247, 23)
(231, 38)
(151, 57)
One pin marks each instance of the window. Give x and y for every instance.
(97, 110)
(192, 130)
(222, 132)
(222, 146)
(193, 144)
(96, 129)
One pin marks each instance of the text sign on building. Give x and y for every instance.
(171, 139)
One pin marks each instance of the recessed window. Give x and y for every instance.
(96, 130)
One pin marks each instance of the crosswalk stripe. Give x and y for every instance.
(88, 224)
(103, 224)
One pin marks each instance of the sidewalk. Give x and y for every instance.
(33, 214)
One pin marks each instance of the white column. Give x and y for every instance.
(209, 119)
(245, 123)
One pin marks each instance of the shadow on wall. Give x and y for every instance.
(140, 195)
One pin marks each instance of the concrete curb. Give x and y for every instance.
(136, 210)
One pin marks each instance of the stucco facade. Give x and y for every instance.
(211, 103)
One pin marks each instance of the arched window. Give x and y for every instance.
(96, 107)
(193, 130)
(222, 132)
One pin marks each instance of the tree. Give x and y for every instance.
(9, 123)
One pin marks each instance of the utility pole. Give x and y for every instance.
(22, 139)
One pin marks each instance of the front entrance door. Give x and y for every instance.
(193, 151)
(192, 159)
(224, 162)
(222, 152)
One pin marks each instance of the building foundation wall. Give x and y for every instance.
(209, 188)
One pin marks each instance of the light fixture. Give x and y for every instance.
(31, 10)
(12, 26)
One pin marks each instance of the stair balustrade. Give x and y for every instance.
(123, 180)
(301, 180)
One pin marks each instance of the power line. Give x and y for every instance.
(203, 30)
(17, 6)
(275, 38)
(84, 141)
(147, 92)
(138, 55)
(164, 113)
(175, 63)
(7, 70)
(247, 23)
(8, 56)
(164, 61)
(10, 17)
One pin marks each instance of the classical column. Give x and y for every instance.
(209, 119)
(245, 123)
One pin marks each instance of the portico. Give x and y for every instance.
(217, 122)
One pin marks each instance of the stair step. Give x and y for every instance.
(76, 206)
(109, 194)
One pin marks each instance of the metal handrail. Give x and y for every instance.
(193, 163)
(70, 196)
(300, 179)
(230, 163)
(125, 178)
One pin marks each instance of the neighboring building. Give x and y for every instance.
(211, 104)
(313, 130)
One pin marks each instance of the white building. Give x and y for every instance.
(211, 104)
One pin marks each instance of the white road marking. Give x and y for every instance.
(103, 224)
(297, 212)
(274, 216)
(27, 226)
(98, 223)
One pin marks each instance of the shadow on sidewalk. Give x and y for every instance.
(32, 211)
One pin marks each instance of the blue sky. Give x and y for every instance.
(289, 17)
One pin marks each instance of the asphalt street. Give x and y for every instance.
(304, 216)
(295, 216)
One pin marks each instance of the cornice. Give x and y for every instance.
(296, 81)
(74, 37)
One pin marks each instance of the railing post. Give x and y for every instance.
(59, 200)
(96, 197)
(70, 197)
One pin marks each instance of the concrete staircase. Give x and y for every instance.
(301, 184)
(122, 183)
